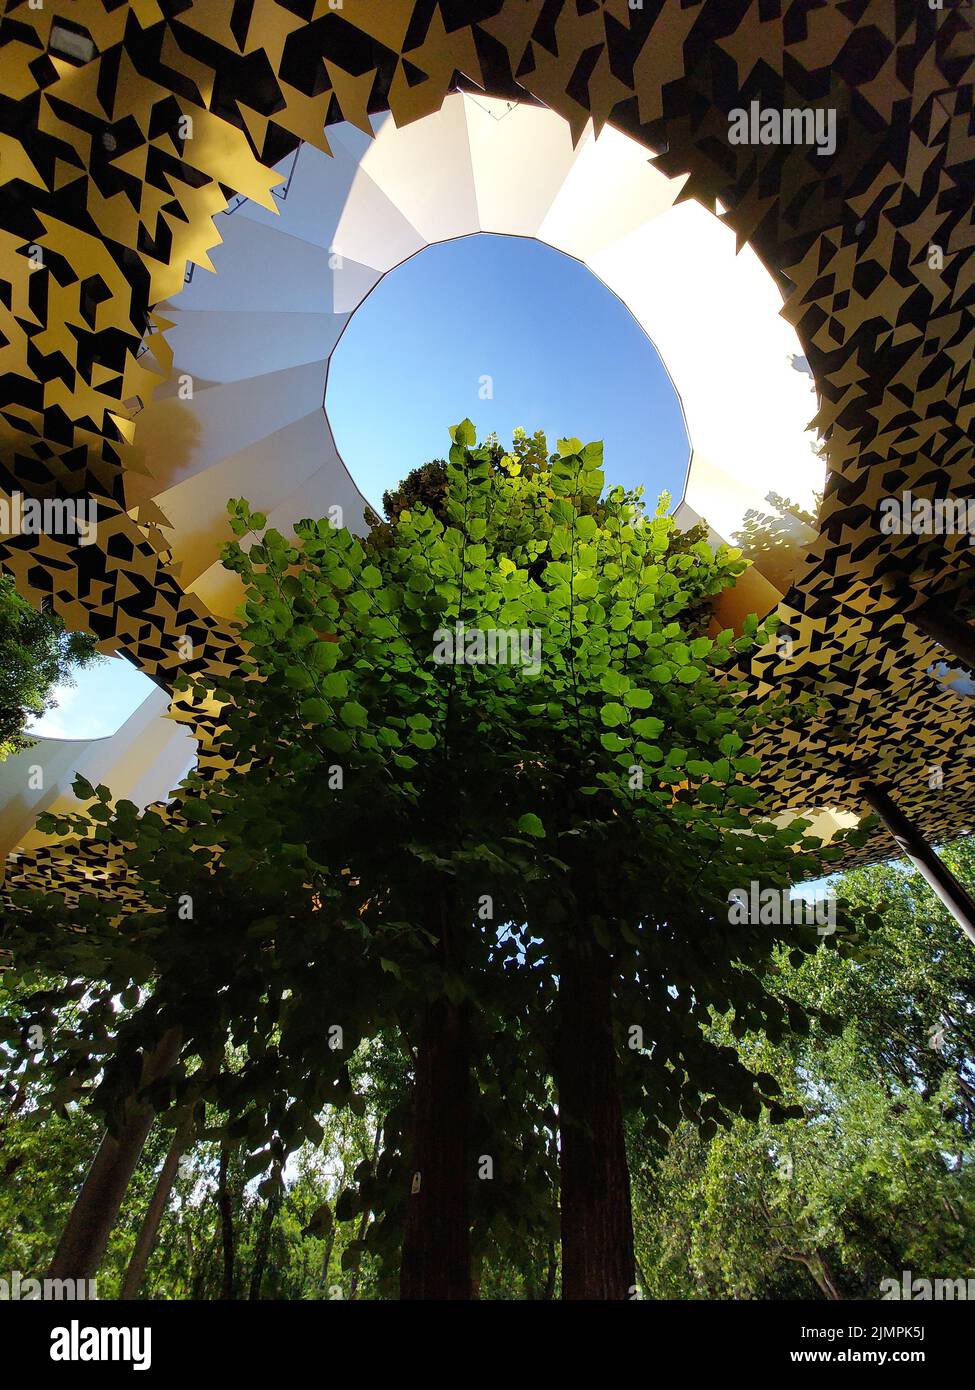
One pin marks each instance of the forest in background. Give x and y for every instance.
(439, 988)
(877, 1178)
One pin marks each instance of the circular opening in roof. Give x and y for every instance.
(509, 332)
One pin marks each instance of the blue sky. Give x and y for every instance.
(103, 698)
(563, 353)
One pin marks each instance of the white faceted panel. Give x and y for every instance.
(273, 467)
(520, 156)
(324, 489)
(142, 762)
(611, 189)
(372, 230)
(715, 319)
(442, 204)
(260, 267)
(317, 192)
(351, 282)
(219, 345)
(181, 438)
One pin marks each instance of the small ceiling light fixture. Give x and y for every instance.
(71, 41)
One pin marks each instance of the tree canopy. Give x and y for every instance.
(36, 654)
(481, 787)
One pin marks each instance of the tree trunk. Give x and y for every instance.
(145, 1243)
(819, 1271)
(597, 1223)
(199, 1289)
(225, 1208)
(550, 1273)
(436, 1259)
(360, 1235)
(85, 1236)
(263, 1243)
(136, 1272)
(364, 1219)
(327, 1257)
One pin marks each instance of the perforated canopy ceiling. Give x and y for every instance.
(102, 173)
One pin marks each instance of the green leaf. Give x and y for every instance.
(638, 699)
(529, 824)
(649, 727)
(613, 714)
(586, 586)
(298, 678)
(320, 1223)
(337, 739)
(323, 655)
(354, 715)
(613, 682)
(315, 711)
(464, 433)
(612, 742)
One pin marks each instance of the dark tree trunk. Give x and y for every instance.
(262, 1245)
(327, 1257)
(364, 1219)
(360, 1235)
(330, 1242)
(146, 1239)
(145, 1243)
(200, 1288)
(85, 1236)
(436, 1260)
(551, 1271)
(597, 1223)
(225, 1208)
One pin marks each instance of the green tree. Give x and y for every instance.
(36, 654)
(407, 836)
(876, 1175)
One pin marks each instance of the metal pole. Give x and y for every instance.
(935, 872)
(937, 621)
